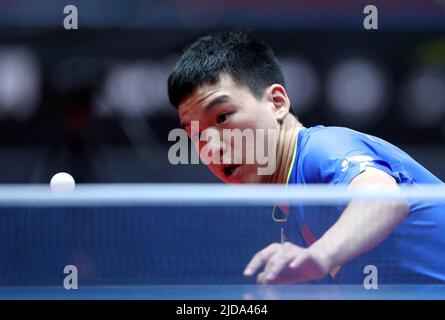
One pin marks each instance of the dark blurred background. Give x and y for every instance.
(93, 101)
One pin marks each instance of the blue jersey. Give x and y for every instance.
(415, 250)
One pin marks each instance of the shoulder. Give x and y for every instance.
(326, 150)
(332, 133)
(331, 141)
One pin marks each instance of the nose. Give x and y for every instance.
(216, 147)
(212, 147)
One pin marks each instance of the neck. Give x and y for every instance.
(287, 138)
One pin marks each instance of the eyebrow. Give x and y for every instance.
(214, 102)
(210, 105)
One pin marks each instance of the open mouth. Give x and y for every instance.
(228, 170)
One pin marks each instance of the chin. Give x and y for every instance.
(247, 180)
(229, 180)
(242, 178)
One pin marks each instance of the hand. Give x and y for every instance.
(287, 264)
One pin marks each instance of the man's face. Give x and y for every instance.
(223, 108)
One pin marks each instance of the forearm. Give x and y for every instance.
(361, 227)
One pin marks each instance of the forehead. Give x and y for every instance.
(194, 105)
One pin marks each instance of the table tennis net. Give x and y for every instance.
(174, 234)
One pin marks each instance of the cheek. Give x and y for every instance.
(246, 121)
(258, 117)
(267, 119)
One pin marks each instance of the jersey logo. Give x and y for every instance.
(364, 161)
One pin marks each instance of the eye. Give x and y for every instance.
(222, 118)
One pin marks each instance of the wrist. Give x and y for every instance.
(321, 254)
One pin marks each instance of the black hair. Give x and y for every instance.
(246, 59)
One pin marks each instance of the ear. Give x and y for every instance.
(276, 94)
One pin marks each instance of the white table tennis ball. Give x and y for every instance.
(62, 182)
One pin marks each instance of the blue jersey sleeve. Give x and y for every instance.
(337, 155)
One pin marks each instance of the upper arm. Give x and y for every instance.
(373, 176)
(378, 178)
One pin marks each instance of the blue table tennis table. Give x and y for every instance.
(227, 292)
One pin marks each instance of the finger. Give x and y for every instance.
(297, 261)
(260, 278)
(295, 279)
(260, 259)
(277, 263)
(291, 276)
